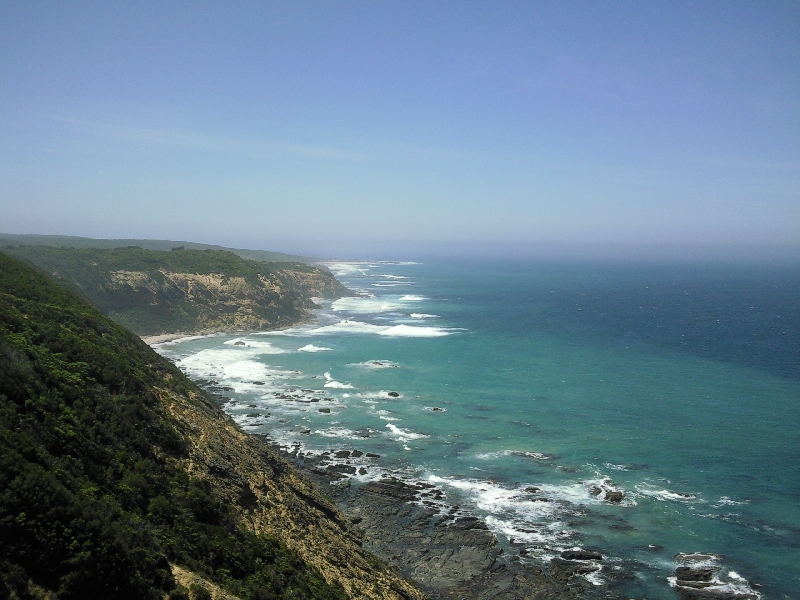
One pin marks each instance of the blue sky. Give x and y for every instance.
(352, 127)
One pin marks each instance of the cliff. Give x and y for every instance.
(120, 478)
(154, 292)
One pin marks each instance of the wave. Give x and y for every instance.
(413, 331)
(423, 316)
(664, 495)
(338, 385)
(725, 501)
(253, 346)
(412, 298)
(348, 326)
(404, 435)
(377, 364)
(313, 348)
(366, 305)
(536, 455)
(332, 383)
(396, 284)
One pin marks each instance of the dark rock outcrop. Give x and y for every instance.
(581, 555)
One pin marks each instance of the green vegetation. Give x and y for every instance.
(70, 241)
(184, 290)
(93, 500)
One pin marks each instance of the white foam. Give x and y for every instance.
(514, 513)
(595, 578)
(343, 269)
(412, 298)
(664, 495)
(614, 467)
(179, 340)
(381, 395)
(377, 364)
(725, 501)
(332, 383)
(369, 305)
(253, 346)
(338, 432)
(233, 368)
(313, 348)
(418, 332)
(348, 326)
(392, 276)
(396, 284)
(338, 385)
(491, 455)
(404, 435)
(536, 455)
(423, 316)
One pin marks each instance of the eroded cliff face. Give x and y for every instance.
(273, 498)
(207, 303)
(188, 291)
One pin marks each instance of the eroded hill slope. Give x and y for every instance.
(154, 292)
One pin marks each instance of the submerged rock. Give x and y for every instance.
(564, 570)
(581, 555)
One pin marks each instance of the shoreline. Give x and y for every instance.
(161, 338)
(450, 552)
(446, 552)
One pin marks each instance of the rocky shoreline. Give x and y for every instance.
(450, 553)
(446, 551)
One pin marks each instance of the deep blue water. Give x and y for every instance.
(678, 385)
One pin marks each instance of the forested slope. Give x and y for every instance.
(115, 469)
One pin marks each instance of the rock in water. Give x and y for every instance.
(393, 395)
(581, 555)
(700, 576)
(694, 573)
(614, 496)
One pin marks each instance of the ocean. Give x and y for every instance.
(526, 392)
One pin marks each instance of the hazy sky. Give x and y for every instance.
(323, 126)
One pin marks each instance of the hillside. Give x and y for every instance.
(71, 241)
(154, 292)
(120, 479)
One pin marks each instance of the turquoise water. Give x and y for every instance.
(679, 386)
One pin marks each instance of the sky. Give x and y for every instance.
(369, 127)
